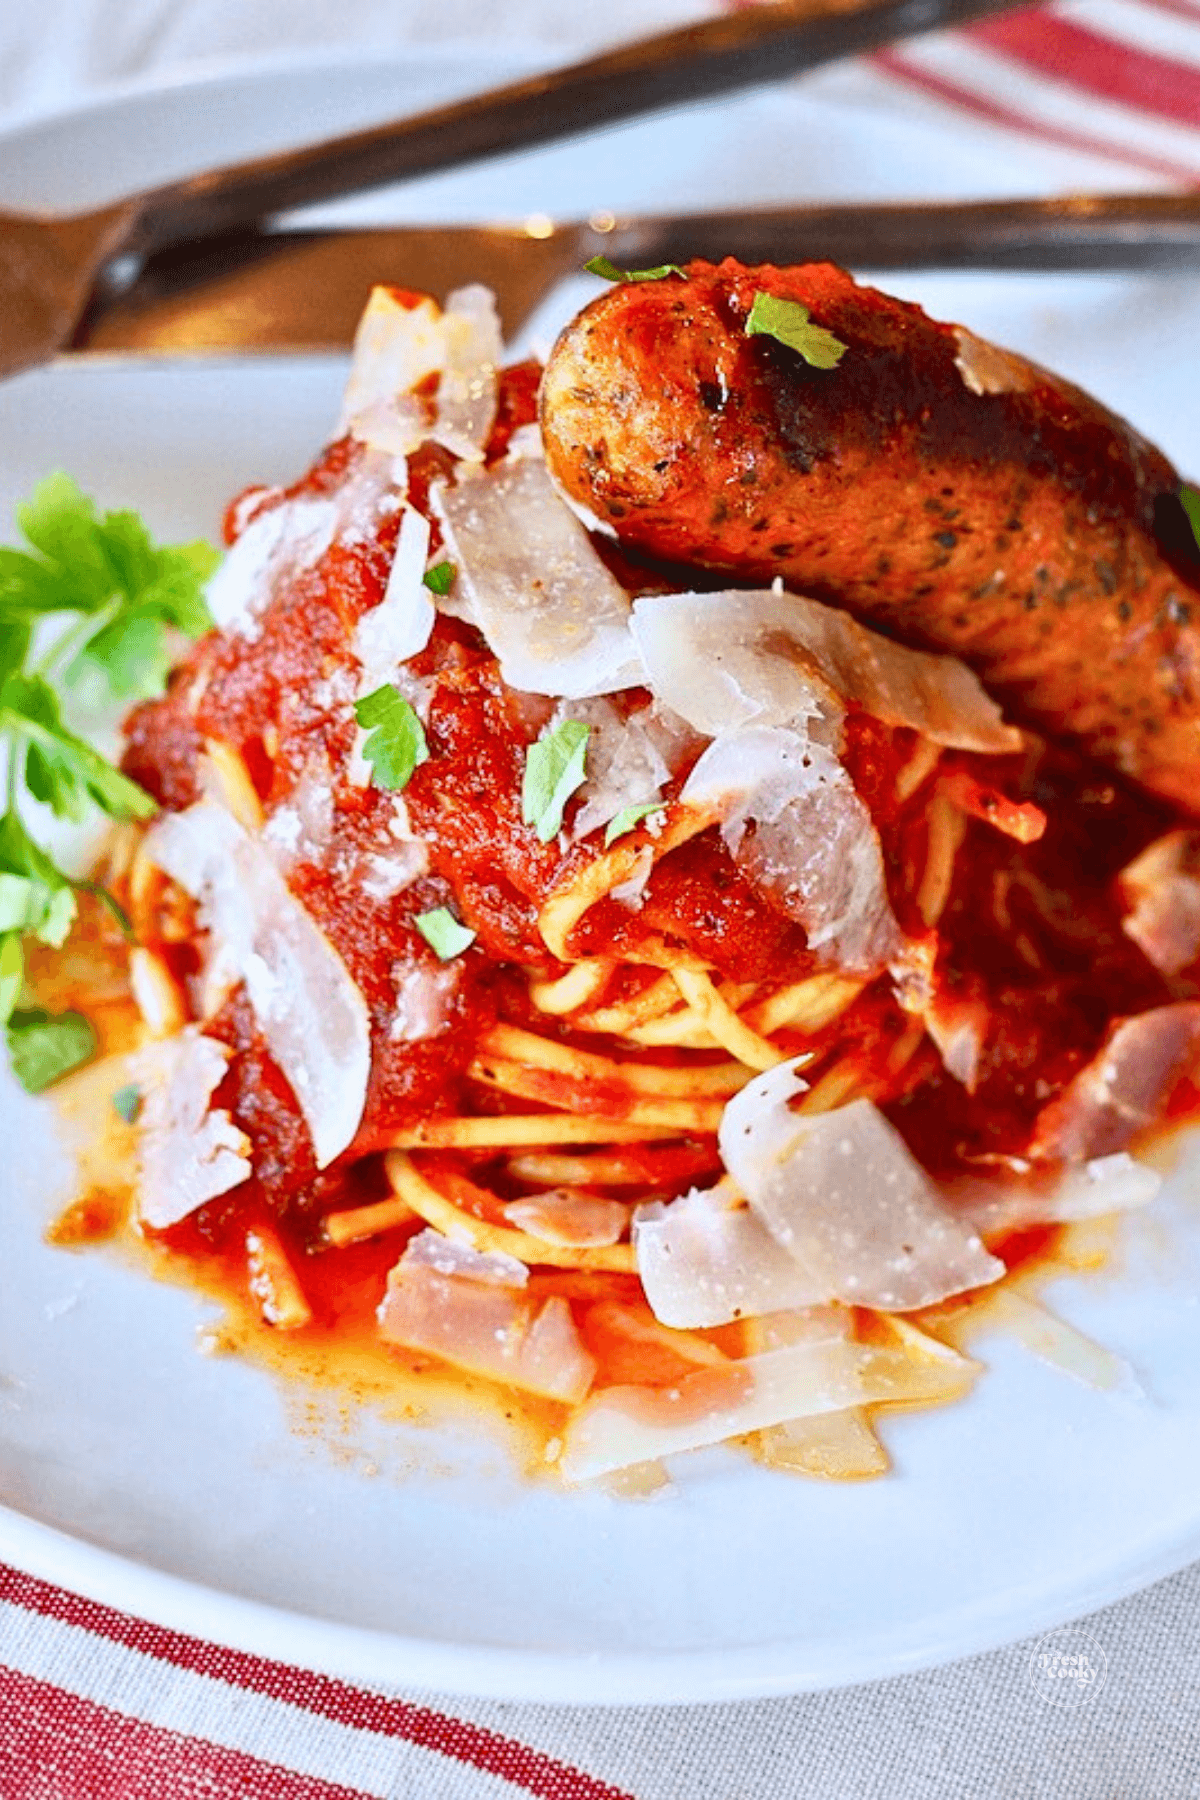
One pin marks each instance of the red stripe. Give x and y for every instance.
(894, 63)
(1179, 9)
(54, 1746)
(1098, 65)
(323, 1695)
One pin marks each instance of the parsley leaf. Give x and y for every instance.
(128, 1102)
(788, 323)
(90, 592)
(12, 974)
(600, 265)
(554, 767)
(440, 579)
(109, 569)
(34, 895)
(43, 1047)
(1189, 499)
(60, 768)
(396, 744)
(446, 936)
(629, 817)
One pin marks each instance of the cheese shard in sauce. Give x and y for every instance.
(400, 626)
(814, 850)
(704, 1261)
(767, 657)
(844, 1195)
(619, 1426)
(396, 347)
(187, 1152)
(552, 614)
(1123, 1087)
(449, 1301)
(1161, 887)
(470, 382)
(309, 1009)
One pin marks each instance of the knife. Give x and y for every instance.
(49, 265)
(306, 290)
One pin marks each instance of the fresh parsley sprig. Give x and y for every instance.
(94, 594)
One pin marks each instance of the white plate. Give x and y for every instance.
(150, 1477)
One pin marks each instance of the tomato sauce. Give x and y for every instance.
(1031, 931)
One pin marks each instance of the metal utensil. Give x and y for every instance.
(48, 266)
(305, 290)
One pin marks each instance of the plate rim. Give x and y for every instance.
(774, 1668)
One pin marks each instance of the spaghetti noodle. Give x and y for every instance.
(616, 1002)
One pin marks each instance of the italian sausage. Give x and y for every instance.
(949, 492)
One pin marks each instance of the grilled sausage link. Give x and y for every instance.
(956, 495)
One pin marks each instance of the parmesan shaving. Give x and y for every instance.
(400, 625)
(468, 390)
(814, 851)
(449, 1301)
(187, 1153)
(841, 1192)
(554, 617)
(619, 1426)
(704, 1261)
(772, 658)
(311, 1013)
(396, 346)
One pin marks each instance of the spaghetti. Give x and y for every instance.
(624, 999)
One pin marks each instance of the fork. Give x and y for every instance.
(49, 266)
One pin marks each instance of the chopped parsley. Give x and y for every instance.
(554, 767)
(127, 1101)
(446, 936)
(628, 818)
(396, 742)
(43, 1047)
(440, 579)
(600, 265)
(92, 596)
(1189, 499)
(789, 323)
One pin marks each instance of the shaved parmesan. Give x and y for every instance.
(286, 540)
(300, 829)
(311, 1013)
(555, 618)
(274, 548)
(561, 1217)
(814, 852)
(187, 1154)
(844, 1195)
(618, 1426)
(396, 346)
(771, 658)
(628, 759)
(400, 625)
(434, 1250)
(1106, 1184)
(424, 999)
(468, 390)
(1123, 1087)
(1162, 888)
(449, 1301)
(703, 1262)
